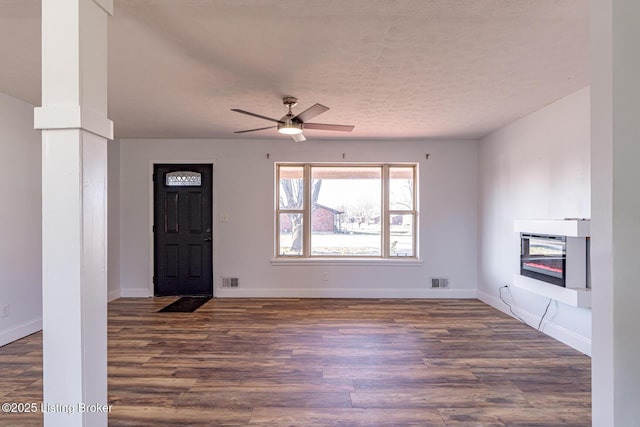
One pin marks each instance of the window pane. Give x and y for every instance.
(346, 172)
(290, 234)
(401, 235)
(345, 216)
(348, 245)
(183, 179)
(401, 188)
(291, 187)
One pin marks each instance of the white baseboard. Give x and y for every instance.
(14, 333)
(113, 295)
(562, 334)
(343, 293)
(134, 293)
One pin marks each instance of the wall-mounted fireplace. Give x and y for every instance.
(555, 251)
(544, 257)
(554, 259)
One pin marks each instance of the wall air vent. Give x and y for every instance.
(230, 282)
(439, 282)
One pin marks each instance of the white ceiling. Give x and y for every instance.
(392, 68)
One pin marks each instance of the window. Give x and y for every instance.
(341, 210)
(183, 179)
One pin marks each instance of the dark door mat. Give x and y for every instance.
(185, 305)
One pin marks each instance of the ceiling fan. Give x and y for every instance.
(294, 125)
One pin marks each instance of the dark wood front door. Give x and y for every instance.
(183, 215)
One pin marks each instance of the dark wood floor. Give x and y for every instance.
(268, 362)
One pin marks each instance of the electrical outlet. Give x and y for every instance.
(223, 217)
(5, 311)
(325, 276)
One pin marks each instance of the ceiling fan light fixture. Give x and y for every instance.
(293, 125)
(290, 127)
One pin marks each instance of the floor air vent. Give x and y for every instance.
(439, 282)
(230, 282)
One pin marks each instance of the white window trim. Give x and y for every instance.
(385, 258)
(395, 261)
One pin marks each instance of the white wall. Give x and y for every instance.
(244, 189)
(113, 226)
(537, 167)
(20, 214)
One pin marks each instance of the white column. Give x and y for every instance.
(75, 130)
(615, 222)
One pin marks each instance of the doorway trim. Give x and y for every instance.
(150, 243)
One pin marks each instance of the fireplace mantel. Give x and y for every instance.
(574, 227)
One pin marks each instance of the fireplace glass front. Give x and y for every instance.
(543, 257)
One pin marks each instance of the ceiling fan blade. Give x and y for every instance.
(255, 115)
(310, 113)
(298, 138)
(324, 126)
(253, 130)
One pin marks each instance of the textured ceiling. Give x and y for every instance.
(392, 68)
